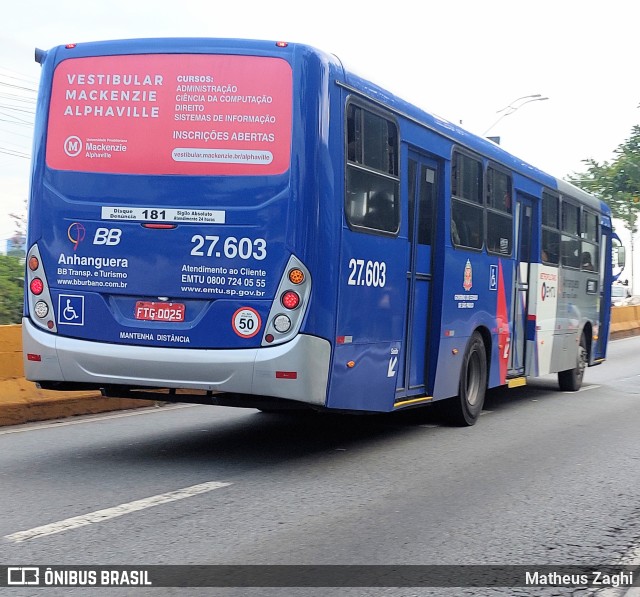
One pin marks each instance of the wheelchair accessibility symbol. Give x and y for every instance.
(70, 309)
(493, 277)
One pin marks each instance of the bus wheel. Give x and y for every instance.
(571, 379)
(466, 407)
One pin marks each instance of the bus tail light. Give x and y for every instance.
(282, 323)
(159, 226)
(290, 300)
(40, 305)
(289, 307)
(36, 286)
(41, 309)
(296, 276)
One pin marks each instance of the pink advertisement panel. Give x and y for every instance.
(196, 114)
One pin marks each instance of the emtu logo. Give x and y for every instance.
(73, 146)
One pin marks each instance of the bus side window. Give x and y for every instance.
(586, 262)
(549, 252)
(455, 235)
(550, 249)
(372, 180)
(570, 252)
(380, 213)
(466, 202)
(499, 211)
(590, 245)
(466, 225)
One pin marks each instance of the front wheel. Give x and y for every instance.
(465, 408)
(571, 379)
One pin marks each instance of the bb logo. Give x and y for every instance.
(73, 146)
(107, 236)
(76, 233)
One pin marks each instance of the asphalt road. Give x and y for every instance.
(545, 477)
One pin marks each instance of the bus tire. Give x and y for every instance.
(571, 379)
(464, 409)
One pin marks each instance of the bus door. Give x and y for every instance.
(422, 200)
(519, 311)
(604, 291)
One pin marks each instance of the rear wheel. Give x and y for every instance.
(465, 408)
(571, 379)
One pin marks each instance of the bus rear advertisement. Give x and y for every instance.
(248, 223)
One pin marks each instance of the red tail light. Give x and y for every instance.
(290, 299)
(36, 286)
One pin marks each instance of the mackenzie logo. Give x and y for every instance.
(73, 146)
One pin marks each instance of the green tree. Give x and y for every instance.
(617, 182)
(11, 289)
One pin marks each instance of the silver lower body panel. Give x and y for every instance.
(297, 370)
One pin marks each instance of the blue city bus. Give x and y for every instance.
(249, 223)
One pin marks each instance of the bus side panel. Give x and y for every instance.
(369, 384)
(475, 297)
(578, 311)
(318, 187)
(370, 321)
(543, 308)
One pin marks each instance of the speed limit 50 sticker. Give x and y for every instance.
(246, 322)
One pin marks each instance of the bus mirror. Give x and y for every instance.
(618, 256)
(621, 257)
(40, 55)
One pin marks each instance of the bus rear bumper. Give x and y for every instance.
(297, 370)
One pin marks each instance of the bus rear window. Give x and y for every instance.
(196, 114)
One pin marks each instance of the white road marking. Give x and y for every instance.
(103, 515)
(590, 387)
(584, 389)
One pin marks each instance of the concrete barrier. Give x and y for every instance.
(22, 402)
(625, 322)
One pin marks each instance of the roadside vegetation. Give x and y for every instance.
(616, 182)
(11, 288)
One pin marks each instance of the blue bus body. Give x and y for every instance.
(200, 220)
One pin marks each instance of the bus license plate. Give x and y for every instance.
(149, 311)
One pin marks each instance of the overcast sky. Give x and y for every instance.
(462, 60)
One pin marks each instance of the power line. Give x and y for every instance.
(18, 93)
(7, 131)
(15, 153)
(18, 98)
(27, 124)
(22, 88)
(15, 74)
(17, 119)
